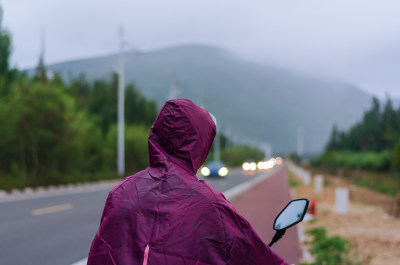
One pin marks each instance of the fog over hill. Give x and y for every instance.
(250, 100)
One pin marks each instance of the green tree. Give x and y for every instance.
(390, 125)
(138, 109)
(396, 157)
(335, 141)
(103, 102)
(136, 151)
(45, 139)
(372, 133)
(7, 75)
(237, 154)
(80, 88)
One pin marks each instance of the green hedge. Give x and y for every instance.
(376, 161)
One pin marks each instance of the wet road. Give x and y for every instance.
(58, 230)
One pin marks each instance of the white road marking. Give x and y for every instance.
(52, 209)
(81, 262)
(234, 192)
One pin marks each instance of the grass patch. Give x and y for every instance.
(292, 181)
(383, 184)
(331, 250)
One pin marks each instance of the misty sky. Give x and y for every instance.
(353, 40)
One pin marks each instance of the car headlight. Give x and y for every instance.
(223, 171)
(205, 171)
(246, 166)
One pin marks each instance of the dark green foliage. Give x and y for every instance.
(136, 152)
(380, 183)
(138, 109)
(376, 161)
(292, 181)
(328, 250)
(7, 75)
(368, 144)
(236, 155)
(396, 157)
(331, 250)
(101, 99)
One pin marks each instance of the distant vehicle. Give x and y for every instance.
(214, 169)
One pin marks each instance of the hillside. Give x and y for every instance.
(254, 101)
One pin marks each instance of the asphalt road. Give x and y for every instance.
(58, 230)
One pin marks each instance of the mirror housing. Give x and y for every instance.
(292, 214)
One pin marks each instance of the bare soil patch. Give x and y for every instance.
(370, 228)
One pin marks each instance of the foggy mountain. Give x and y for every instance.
(250, 100)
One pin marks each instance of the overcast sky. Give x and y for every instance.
(353, 40)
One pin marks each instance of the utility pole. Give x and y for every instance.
(267, 150)
(121, 107)
(217, 148)
(173, 91)
(300, 141)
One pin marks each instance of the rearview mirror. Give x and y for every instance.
(292, 214)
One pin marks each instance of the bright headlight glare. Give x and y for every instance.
(269, 164)
(253, 166)
(223, 171)
(246, 166)
(205, 171)
(260, 165)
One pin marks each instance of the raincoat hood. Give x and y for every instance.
(183, 134)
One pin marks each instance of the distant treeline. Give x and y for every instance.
(371, 144)
(53, 133)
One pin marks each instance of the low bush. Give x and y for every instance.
(376, 161)
(331, 250)
(237, 154)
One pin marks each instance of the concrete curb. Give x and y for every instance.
(39, 192)
(238, 190)
(300, 230)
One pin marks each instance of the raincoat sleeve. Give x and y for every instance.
(99, 253)
(244, 246)
(108, 243)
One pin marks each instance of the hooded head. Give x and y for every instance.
(182, 133)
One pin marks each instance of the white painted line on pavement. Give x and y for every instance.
(43, 193)
(81, 262)
(234, 192)
(52, 209)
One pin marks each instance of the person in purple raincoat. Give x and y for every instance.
(164, 215)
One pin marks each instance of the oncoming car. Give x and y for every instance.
(214, 169)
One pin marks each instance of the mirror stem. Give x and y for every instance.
(277, 236)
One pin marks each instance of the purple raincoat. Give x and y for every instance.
(164, 215)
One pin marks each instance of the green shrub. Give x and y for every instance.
(330, 250)
(136, 151)
(238, 154)
(376, 161)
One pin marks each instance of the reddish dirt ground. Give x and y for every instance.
(372, 231)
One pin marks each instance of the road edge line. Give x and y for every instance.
(238, 190)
